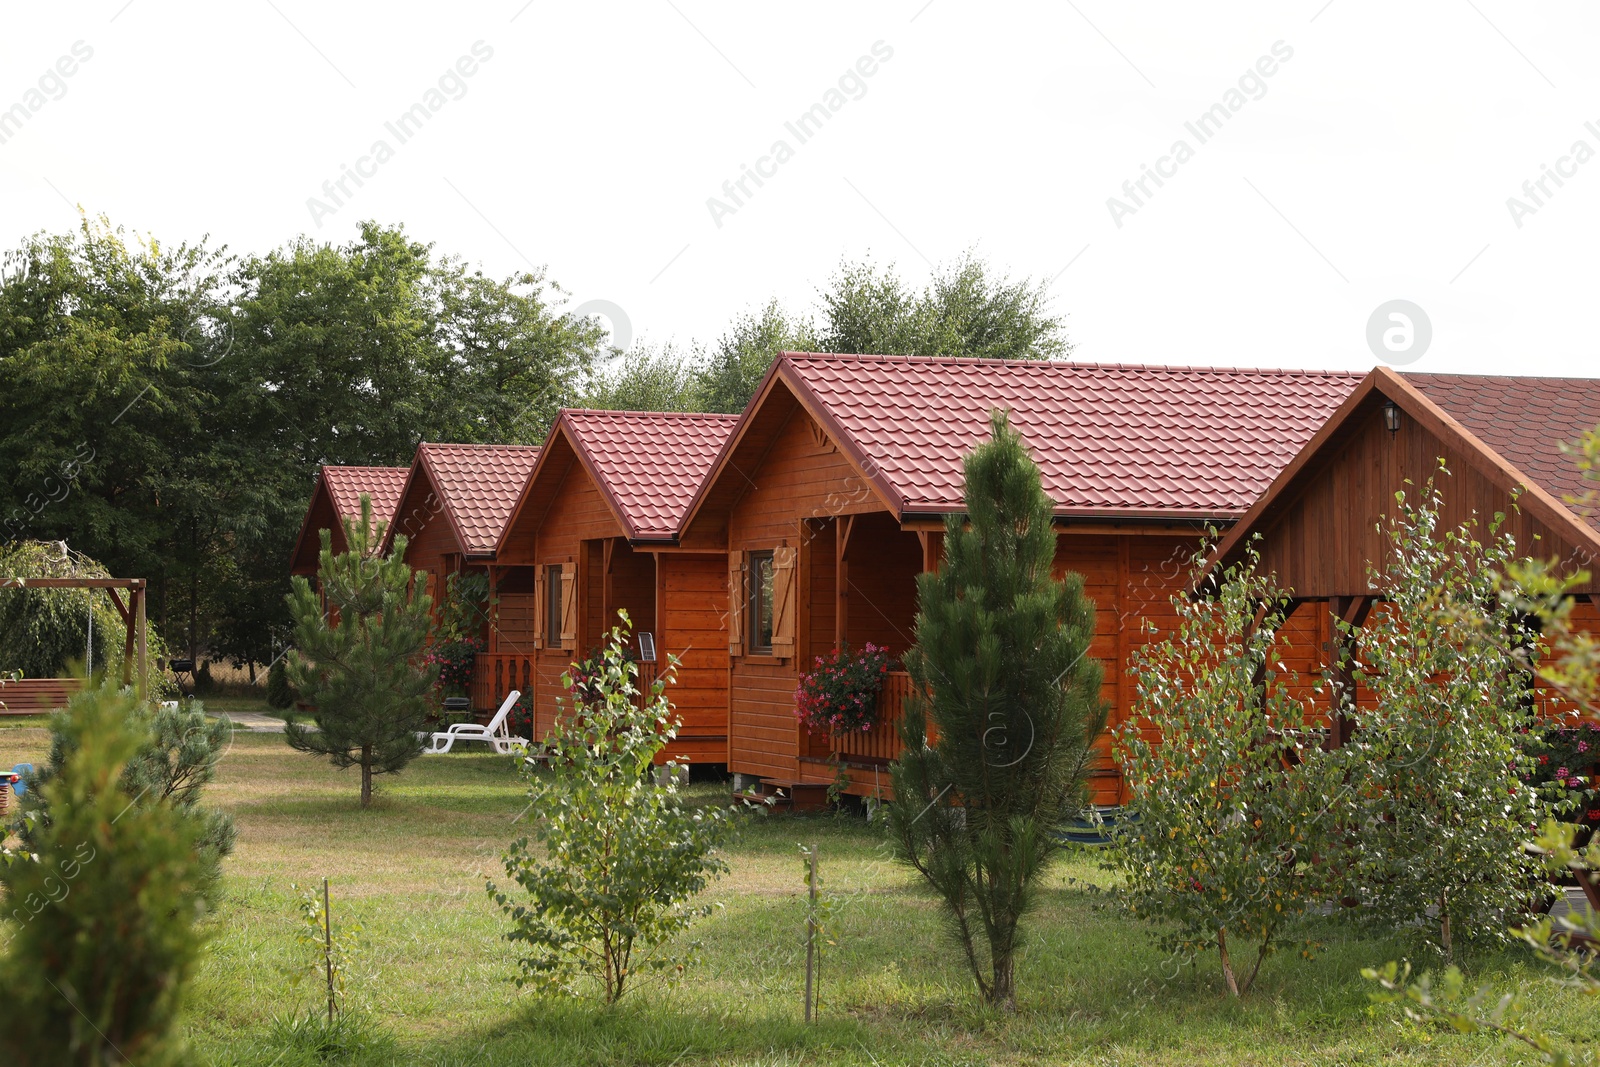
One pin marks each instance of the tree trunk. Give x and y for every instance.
(1227, 963)
(1444, 924)
(1003, 990)
(366, 776)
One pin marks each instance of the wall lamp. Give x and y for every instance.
(1391, 416)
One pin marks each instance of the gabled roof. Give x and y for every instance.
(382, 484)
(1510, 429)
(478, 487)
(1524, 419)
(1112, 441)
(648, 464)
(336, 495)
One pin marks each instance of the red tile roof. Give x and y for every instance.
(383, 484)
(479, 486)
(1526, 420)
(649, 463)
(1109, 439)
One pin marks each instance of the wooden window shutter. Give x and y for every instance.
(569, 607)
(785, 567)
(541, 612)
(736, 603)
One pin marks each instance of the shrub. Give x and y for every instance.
(841, 694)
(1231, 800)
(106, 908)
(176, 759)
(1001, 666)
(359, 661)
(1568, 660)
(279, 693)
(456, 661)
(1435, 767)
(618, 856)
(520, 721)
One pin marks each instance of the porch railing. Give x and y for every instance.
(497, 673)
(881, 744)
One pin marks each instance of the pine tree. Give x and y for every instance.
(1002, 672)
(104, 912)
(177, 758)
(357, 662)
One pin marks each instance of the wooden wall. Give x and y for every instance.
(431, 543)
(693, 601)
(577, 519)
(801, 482)
(320, 516)
(1322, 534)
(882, 563)
(680, 598)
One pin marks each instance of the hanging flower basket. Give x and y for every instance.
(840, 695)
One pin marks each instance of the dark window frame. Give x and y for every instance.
(754, 606)
(553, 620)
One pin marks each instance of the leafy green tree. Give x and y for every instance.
(164, 407)
(618, 857)
(1232, 799)
(107, 402)
(351, 354)
(1567, 658)
(42, 630)
(964, 311)
(736, 365)
(105, 908)
(1434, 767)
(1002, 668)
(647, 378)
(358, 663)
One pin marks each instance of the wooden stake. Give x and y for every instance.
(811, 931)
(327, 947)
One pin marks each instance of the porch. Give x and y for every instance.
(862, 759)
(496, 674)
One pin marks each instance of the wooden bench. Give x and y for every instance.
(33, 696)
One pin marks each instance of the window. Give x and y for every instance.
(552, 606)
(760, 610)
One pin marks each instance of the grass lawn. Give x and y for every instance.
(436, 975)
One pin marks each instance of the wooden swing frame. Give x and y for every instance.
(136, 643)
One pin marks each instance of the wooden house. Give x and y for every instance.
(830, 495)
(336, 496)
(455, 504)
(597, 530)
(1320, 518)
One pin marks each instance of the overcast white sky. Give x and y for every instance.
(1375, 164)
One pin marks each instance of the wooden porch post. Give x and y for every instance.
(137, 593)
(494, 608)
(1352, 611)
(608, 607)
(126, 612)
(841, 579)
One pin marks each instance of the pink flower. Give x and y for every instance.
(1583, 746)
(1561, 772)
